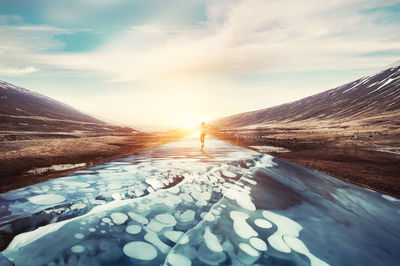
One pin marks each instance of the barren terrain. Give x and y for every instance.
(366, 156)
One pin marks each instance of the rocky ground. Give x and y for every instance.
(30, 157)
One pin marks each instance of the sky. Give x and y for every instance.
(162, 64)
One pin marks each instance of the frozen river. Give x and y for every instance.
(177, 204)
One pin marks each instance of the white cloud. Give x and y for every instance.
(13, 71)
(253, 36)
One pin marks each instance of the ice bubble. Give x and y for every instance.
(263, 223)
(174, 236)
(154, 183)
(153, 238)
(74, 184)
(298, 245)
(46, 199)
(116, 196)
(247, 254)
(106, 220)
(285, 226)
(139, 192)
(133, 229)
(83, 223)
(250, 181)
(201, 203)
(166, 219)
(77, 249)
(138, 218)
(79, 236)
(184, 240)
(119, 217)
(140, 250)
(258, 244)
(238, 183)
(91, 229)
(174, 190)
(187, 216)
(186, 197)
(230, 194)
(103, 231)
(248, 249)
(216, 212)
(212, 241)
(244, 201)
(178, 260)
(228, 174)
(156, 226)
(238, 215)
(209, 217)
(240, 226)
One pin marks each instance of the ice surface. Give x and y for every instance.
(252, 216)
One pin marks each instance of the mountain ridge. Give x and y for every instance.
(362, 98)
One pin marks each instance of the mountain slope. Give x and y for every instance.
(366, 97)
(22, 110)
(18, 101)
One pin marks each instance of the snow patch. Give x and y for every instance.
(56, 167)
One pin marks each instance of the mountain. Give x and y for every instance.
(364, 99)
(25, 110)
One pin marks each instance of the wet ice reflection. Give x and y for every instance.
(173, 205)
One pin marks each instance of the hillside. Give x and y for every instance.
(351, 132)
(367, 97)
(23, 111)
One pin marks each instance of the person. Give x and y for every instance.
(203, 132)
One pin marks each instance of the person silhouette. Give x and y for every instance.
(203, 132)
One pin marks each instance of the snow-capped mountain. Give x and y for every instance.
(363, 98)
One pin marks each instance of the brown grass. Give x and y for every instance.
(349, 153)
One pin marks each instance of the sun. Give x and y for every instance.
(187, 123)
